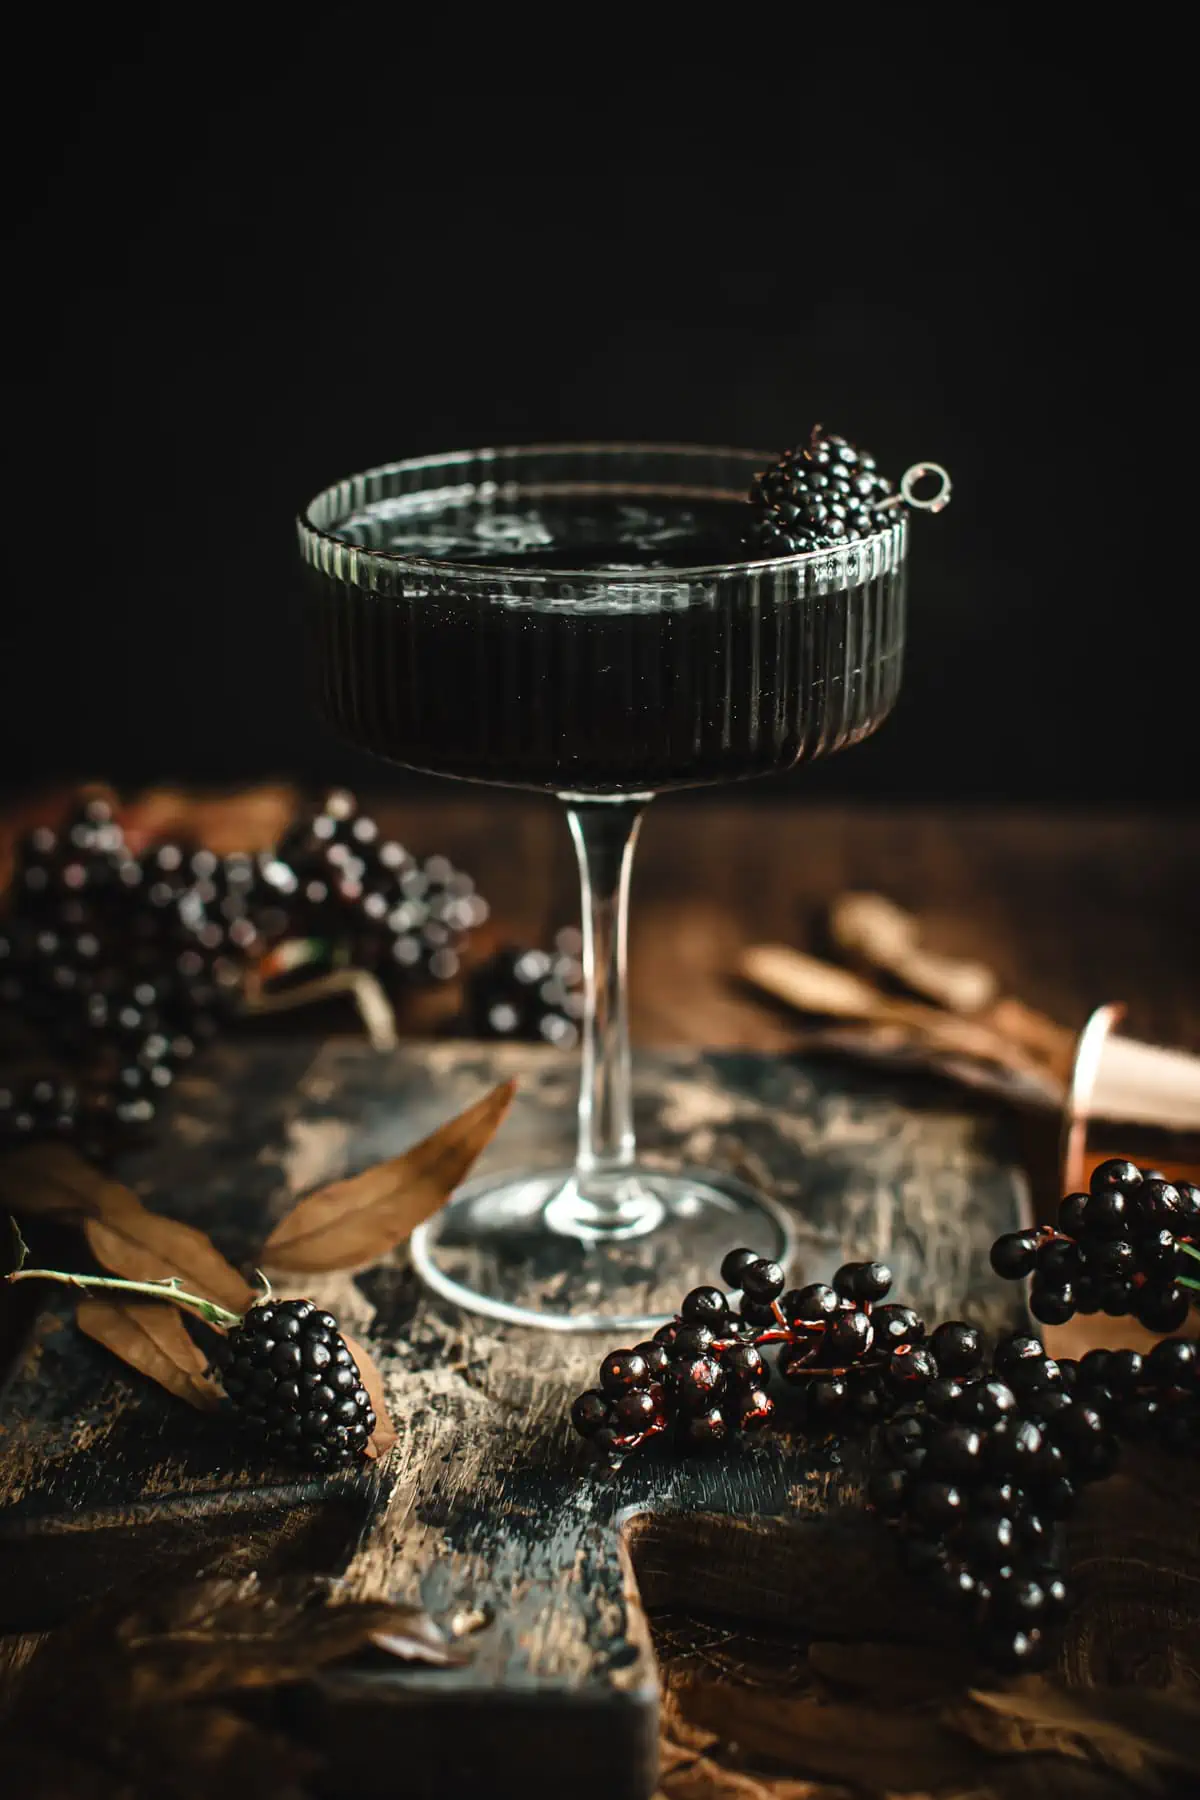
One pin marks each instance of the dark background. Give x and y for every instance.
(245, 268)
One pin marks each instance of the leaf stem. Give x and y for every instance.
(171, 1290)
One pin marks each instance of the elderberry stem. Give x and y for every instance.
(208, 1310)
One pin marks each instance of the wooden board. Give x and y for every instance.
(489, 1508)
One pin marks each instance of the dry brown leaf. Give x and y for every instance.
(1127, 1727)
(53, 1181)
(350, 1224)
(848, 1743)
(146, 1246)
(152, 1699)
(385, 1434)
(154, 1340)
(241, 1633)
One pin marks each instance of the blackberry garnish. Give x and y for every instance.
(822, 494)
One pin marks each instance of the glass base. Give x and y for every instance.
(612, 1252)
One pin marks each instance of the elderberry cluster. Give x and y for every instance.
(1129, 1246)
(116, 967)
(977, 1480)
(704, 1375)
(976, 1460)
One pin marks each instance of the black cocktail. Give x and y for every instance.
(593, 621)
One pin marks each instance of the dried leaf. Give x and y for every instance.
(350, 1224)
(146, 1246)
(52, 1181)
(224, 1635)
(154, 1340)
(385, 1435)
(153, 1698)
(1124, 1726)
(848, 1743)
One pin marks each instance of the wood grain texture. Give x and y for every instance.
(486, 1511)
(489, 1507)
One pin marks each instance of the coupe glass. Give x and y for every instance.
(513, 617)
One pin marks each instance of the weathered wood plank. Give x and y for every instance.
(488, 1508)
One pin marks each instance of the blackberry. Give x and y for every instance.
(289, 1373)
(823, 494)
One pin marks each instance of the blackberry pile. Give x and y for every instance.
(534, 996)
(821, 495)
(977, 1480)
(290, 1377)
(118, 967)
(1129, 1246)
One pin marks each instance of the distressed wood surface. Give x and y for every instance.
(487, 1510)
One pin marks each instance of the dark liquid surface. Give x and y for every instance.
(611, 686)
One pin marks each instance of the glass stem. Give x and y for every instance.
(605, 834)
